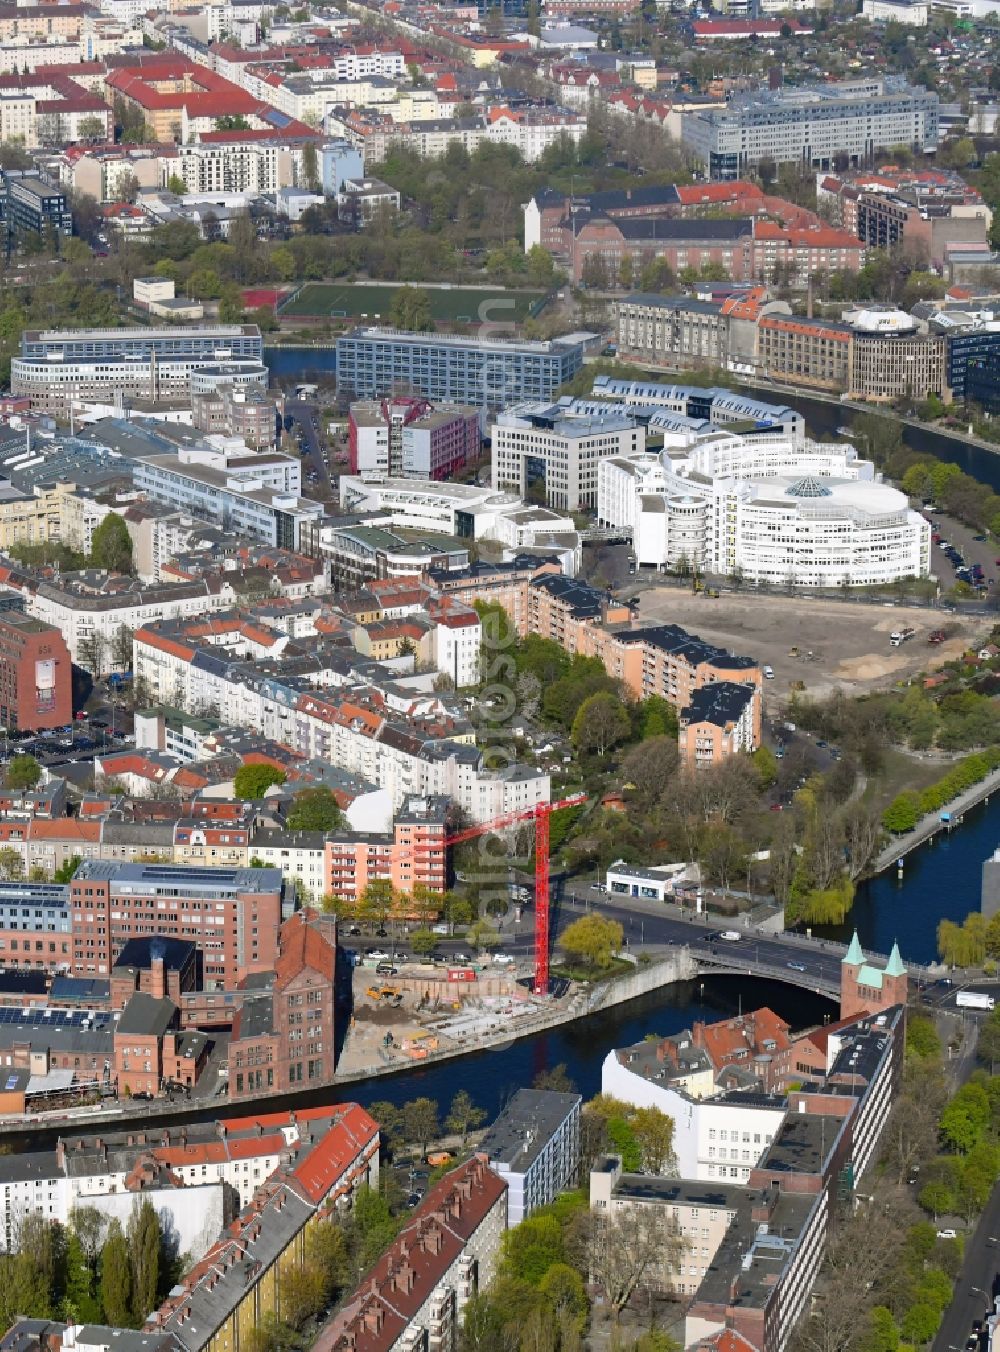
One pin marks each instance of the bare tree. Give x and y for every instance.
(862, 836)
(631, 1249)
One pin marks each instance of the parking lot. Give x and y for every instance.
(839, 644)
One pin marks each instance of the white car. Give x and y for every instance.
(947, 1234)
(769, 673)
(503, 958)
(378, 955)
(439, 929)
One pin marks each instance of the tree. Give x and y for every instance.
(411, 309)
(389, 1119)
(626, 1248)
(965, 1118)
(23, 772)
(144, 1249)
(464, 1116)
(601, 722)
(92, 652)
(903, 813)
(988, 1044)
(310, 165)
(253, 781)
(91, 129)
(920, 1323)
(111, 547)
(881, 1333)
(116, 1278)
(303, 1293)
(11, 863)
(314, 809)
(176, 185)
(423, 941)
(593, 941)
(530, 1249)
(420, 1121)
(654, 1132)
(121, 648)
(80, 1305)
(66, 871)
(556, 1080)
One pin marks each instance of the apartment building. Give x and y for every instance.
(209, 343)
(36, 675)
(534, 1145)
(412, 855)
(80, 605)
(233, 914)
(445, 368)
(722, 720)
(245, 1276)
(698, 1214)
(417, 1292)
(598, 246)
(540, 441)
(405, 745)
(811, 124)
(412, 438)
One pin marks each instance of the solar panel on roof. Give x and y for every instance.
(11, 1083)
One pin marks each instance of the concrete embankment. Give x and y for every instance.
(676, 966)
(930, 825)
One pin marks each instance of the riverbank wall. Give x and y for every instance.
(929, 826)
(678, 965)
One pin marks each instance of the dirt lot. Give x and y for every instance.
(849, 643)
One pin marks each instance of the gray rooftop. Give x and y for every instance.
(526, 1125)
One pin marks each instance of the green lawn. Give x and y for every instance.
(332, 300)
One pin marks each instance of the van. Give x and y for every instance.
(769, 673)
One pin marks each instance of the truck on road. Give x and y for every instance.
(974, 1000)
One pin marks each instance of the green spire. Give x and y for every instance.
(854, 955)
(895, 967)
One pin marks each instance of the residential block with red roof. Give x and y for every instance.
(417, 1292)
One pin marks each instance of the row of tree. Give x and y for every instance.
(90, 1271)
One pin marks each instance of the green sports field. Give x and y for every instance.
(328, 300)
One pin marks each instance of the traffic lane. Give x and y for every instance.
(977, 1281)
(699, 933)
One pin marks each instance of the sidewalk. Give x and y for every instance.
(932, 823)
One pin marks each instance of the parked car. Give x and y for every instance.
(947, 1234)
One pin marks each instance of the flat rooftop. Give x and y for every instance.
(526, 1125)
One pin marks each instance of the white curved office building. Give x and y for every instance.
(773, 508)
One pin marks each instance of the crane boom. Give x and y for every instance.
(541, 815)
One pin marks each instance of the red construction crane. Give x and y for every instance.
(540, 815)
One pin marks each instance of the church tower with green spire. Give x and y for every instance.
(866, 988)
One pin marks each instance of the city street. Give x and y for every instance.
(647, 925)
(976, 1283)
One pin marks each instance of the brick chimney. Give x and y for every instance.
(157, 979)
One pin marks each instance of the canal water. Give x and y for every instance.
(492, 1076)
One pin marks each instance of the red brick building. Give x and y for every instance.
(36, 674)
(867, 988)
(284, 1033)
(232, 914)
